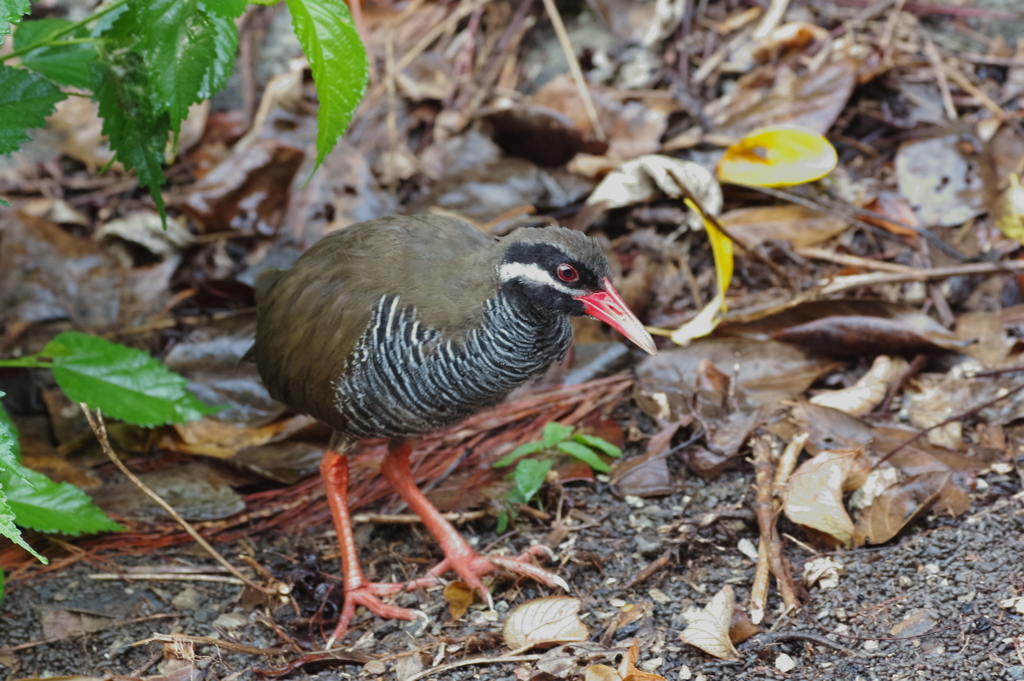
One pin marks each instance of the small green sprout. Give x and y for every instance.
(530, 472)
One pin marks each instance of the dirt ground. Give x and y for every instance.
(943, 582)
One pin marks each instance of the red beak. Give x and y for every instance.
(607, 306)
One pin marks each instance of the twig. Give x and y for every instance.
(410, 519)
(4, 650)
(974, 91)
(837, 284)
(475, 661)
(759, 587)
(210, 641)
(574, 67)
(847, 260)
(166, 577)
(100, 429)
(764, 506)
(940, 77)
(952, 419)
(857, 214)
(971, 269)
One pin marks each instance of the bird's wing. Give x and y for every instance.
(311, 316)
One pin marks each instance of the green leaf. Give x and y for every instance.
(529, 477)
(225, 45)
(11, 12)
(125, 383)
(65, 64)
(8, 528)
(521, 450)
(26, 99)
(4, 204)
(176, 40)
(228, 9)
(10, 448)
(52, 506)
(338, 61)
(555, 432)
(502, 526)
(137, 131)
(598, 443)
(584, 454)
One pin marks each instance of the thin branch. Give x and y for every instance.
(100, 429)
(574, 67)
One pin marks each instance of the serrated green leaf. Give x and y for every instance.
(529, 477)
(10, 447)
(138, 133)
(26, 99)
(555, 432)
(4, 204)
(65, 64)
(225, 45)
(8, 528)
(521, 450)
(175, 39)
(338, 60)
(598, 443)
(54, 507)
(127, 384)
(11, 12)
(584, 454)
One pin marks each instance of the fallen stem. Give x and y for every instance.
(574, 67)
(100, 429)
(475, 661)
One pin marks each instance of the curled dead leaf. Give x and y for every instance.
(545, 621)
(645, 178)
(868, 392)
(709, 629)
(815, 495)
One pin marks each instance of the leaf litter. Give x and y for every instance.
(868, 372)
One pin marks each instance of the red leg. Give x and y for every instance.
(358, 590)
(459, 555)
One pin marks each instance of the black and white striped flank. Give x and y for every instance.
(404, 379)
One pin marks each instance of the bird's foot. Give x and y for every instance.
(471, 567)
(369, 596)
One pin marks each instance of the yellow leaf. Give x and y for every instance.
(1008, 210)
(708, 318)
(778, 156)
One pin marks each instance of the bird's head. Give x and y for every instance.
(564, 271)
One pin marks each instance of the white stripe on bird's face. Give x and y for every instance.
(533, 272)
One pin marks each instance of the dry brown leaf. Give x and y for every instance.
(799, 226)
(895, 208)
(868, 392)
(459, 597)
(648, 177)
(600, 672)
(628, 670)
(210, 437)
(898, 505)
(545, 621)
(709, 630)
(815, 495)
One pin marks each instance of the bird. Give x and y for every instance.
(403, 326)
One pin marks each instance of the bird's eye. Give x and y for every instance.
(567, 273)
